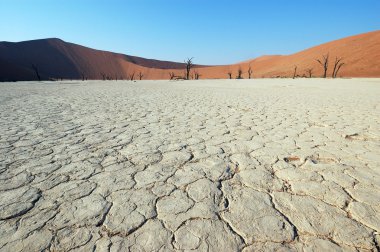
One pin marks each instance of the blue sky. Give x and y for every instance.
(213, 32)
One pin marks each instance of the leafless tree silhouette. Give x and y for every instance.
(295, 72)
(250, 71)
(337, 65)
(189, 65)
(230, 74)
(132, 76)
(36, 71)
(309, 72)
(337, 70)
(324, 62)
(240, 73)
(104, 76)
(141, 75)
(172, 75)
(197, 75)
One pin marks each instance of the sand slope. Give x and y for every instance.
(360, 53)
(58, 59)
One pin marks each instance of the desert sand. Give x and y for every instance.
(58, 59)
(218, 165)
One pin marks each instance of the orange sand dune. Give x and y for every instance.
(55, 58)
(361, 55)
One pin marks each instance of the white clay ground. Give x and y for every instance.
(218, 165)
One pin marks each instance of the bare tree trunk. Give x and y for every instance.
(324, 63)
(36, 71)
(189, 65)
(132, 76)
(171, 74)
(141, 75)
(240, 72)
(250, 72)
(336, 64)
(295, 72)
(196, 75)
(338, 68)
(310, 72)
(230, 75)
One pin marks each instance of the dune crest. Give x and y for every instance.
(57, 59)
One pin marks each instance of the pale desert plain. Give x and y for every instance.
(209, 165)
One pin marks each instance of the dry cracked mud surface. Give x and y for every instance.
(224, 165)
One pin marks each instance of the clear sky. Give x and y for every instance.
(211, 31)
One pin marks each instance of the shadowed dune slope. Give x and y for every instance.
(55, 58)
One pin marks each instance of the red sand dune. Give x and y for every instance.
(55, 58)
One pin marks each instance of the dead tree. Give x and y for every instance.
(141, 75)
(83, 77)
(172, 75)
(197, 75)
(132, 76)
(310, 72)
(104, 76)
(338, 68)
(324, 62)
(36, 71)
(250, 72)
(295, 72)
(337, 65)
(230, 74)
(189, 65)
(240, 73)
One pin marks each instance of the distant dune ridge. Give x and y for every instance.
(56, 59)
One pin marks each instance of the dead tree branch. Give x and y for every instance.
(197, 75)
(189, 65)
(36, 71)
(337, 65)
(295, 72)
(250, 71)
(310, 72)
(324, 62)
(141, 75)
(240, 73)
(132, 76)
